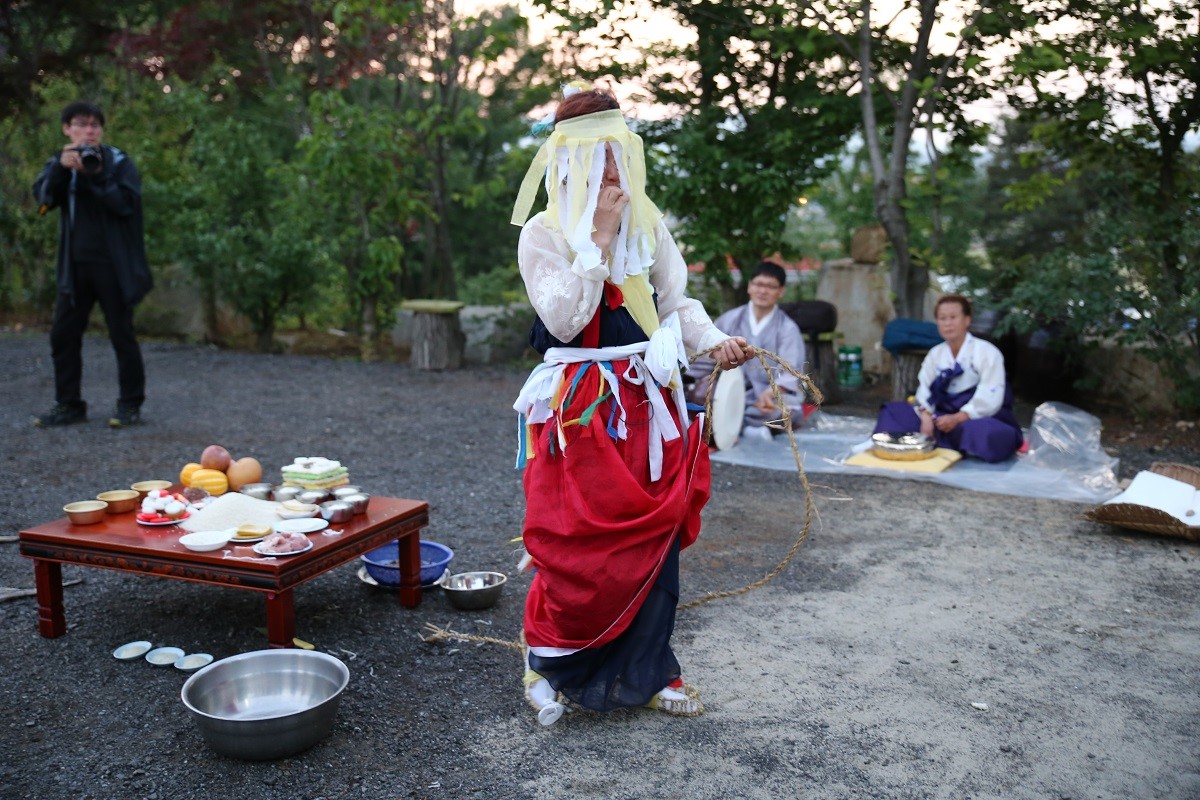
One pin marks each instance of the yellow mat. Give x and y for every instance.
(940, 461)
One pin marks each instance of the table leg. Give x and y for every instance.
(47, 576)
(281, 618)
(410, 569)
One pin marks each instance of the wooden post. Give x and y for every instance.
(437, 336)
(905, 368)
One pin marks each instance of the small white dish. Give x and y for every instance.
(204, 541)
(193, 661)
(164, 656)
(131, 651)
(258, 548)
(309, 525)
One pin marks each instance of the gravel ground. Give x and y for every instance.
(851, 675)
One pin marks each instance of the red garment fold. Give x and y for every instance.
(613, 298)
(597, 528)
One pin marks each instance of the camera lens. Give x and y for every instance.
(93, 161)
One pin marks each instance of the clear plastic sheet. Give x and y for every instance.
(1065, 460)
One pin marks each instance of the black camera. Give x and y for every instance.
(92, 158)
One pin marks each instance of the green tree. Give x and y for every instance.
(753, 127)
(357, 168)
(1134, 73)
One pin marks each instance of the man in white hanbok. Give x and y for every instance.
(763, 324)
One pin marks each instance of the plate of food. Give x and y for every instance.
(157, 520)
(250, 533)
(283, 544)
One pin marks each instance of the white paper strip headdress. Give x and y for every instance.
(572, 160)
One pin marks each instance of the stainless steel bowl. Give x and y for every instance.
(474, 590)
(282, 493)
(313, 496)
(358, 501)
(337, 511)
(259, 491)
(902, 446)
(266, 704)
(342, 491)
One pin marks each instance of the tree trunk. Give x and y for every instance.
(366, 336)
(437, 340)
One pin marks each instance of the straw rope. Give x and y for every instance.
(784, 423)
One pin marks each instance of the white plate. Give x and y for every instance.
(728, 408)
(131, 651)
(164, 656)
(193, 662)
(248, 540)
(258, 549)
(304, 525)
(160, 524)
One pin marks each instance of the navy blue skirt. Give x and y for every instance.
(628, 671)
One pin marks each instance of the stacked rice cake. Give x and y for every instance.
(314, 472)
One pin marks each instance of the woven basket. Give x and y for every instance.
(1152, 520)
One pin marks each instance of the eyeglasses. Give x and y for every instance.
(765, 285)
(89, 124)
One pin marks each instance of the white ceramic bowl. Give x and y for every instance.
(204, 541)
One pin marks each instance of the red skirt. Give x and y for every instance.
(597, 528)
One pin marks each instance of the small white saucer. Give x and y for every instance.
(132, 651)
(164, 656)
(193, 662)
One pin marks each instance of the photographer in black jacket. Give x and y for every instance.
(101, 258)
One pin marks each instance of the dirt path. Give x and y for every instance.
(926, 642)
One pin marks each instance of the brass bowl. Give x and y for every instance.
(902, 446)
(142, 487)
(120, 500)
(86, 512)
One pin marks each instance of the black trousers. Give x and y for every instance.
(95, 282)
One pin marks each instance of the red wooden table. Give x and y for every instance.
(120, 543)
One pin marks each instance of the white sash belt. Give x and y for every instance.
(652, 365)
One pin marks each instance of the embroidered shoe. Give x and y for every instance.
(61, 415)
(683, 702)
(123, 417)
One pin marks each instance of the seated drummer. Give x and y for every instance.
(764, 325)
(964, 400)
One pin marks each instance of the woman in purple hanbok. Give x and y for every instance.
(964, 400)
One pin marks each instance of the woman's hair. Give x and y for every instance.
(588, 102)
(963, 302)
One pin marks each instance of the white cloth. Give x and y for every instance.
(565, 293)
(983, 369)
(652, 365)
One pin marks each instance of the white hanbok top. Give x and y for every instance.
(983, 369)
(565, 294)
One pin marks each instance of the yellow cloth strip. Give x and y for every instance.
(942, 459)
(639, 299)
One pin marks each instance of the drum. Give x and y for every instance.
(728, 408)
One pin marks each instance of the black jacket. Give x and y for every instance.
(119, 191)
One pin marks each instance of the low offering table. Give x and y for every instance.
(120, 543)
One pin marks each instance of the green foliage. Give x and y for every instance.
(1118, 259)
(238, 219)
